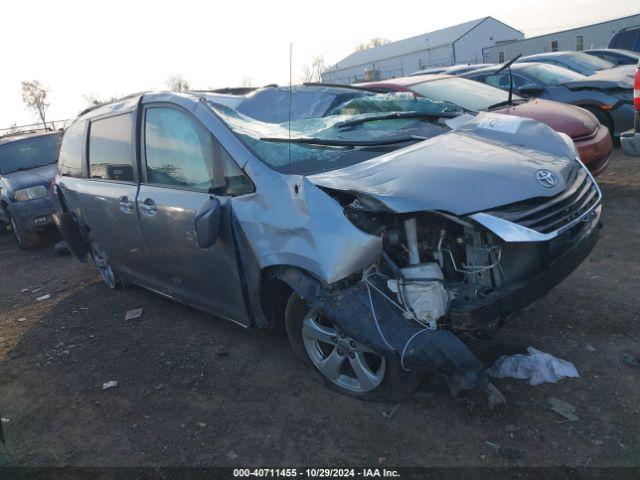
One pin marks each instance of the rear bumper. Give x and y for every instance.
(595, 151)
(631, 143)
(511, 300)
(34, 215)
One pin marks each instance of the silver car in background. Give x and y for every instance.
(376, 228)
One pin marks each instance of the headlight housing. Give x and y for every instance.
(31, 193)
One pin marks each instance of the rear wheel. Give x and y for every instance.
(102, 264)
(340, 362)
(25, 239)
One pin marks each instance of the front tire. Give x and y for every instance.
(342, 363)
(25, 239)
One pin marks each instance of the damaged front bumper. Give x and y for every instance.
(365, 310)
(513, 298)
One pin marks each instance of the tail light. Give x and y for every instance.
(636, 90)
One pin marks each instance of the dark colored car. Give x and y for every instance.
(374, 234)
(626, 39)
(590, 137)
(616, 56)
(631, 140)
(27, 168)
(582, 63)
(609, 99)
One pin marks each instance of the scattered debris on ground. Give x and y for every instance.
(539, 367)
(133, 313)
(563, 408)
(43, 297)
(391, 412)
(110, 384)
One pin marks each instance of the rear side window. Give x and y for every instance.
(70, 160)
(110, 151)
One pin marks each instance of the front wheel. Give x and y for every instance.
(25, 239)
(340, 362)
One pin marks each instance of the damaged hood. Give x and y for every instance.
(490, 161)
(613, 78)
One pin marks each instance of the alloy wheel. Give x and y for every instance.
(342, 360)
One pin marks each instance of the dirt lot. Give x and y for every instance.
(196, 390)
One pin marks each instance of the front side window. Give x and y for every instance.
(70, 160)
(29, 153)
(579, 43)
(502, 81)
(110, 151)
(179, 151)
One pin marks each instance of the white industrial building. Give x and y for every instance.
(596, 35)
(460, 44)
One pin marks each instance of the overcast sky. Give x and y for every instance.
(118, 47)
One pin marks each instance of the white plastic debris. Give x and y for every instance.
(5, 420)
(539, 367)
(43, 297)
(110, 384)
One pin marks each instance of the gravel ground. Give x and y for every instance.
(196, 390)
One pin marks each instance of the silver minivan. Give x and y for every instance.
(375, 228)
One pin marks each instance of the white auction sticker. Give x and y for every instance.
(501, 123)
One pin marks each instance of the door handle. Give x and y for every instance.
(125, 205)
(148, 206)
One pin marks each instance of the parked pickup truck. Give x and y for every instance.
(631, 139)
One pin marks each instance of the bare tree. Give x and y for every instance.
(177, 83)
(93, 100)
(374, 42)
(313, 73)
(34, 96)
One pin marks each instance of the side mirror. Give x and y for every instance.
(208, 221)
(529, 90)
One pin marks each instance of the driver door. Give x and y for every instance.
(182, 164)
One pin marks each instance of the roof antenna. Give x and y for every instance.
(508, 66)
(290, 82)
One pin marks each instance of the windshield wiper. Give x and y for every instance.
(395, 116)
(503, 103)
(343, 143)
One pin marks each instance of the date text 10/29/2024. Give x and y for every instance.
(315, 473)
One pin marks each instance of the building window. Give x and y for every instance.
(501, 56)
(554, 45)
(579, 43)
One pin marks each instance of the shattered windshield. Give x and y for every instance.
(364, 126)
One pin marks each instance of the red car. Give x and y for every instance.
(590, 137)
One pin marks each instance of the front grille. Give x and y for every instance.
(546, 215)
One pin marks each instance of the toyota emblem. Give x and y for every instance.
(546, 178)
